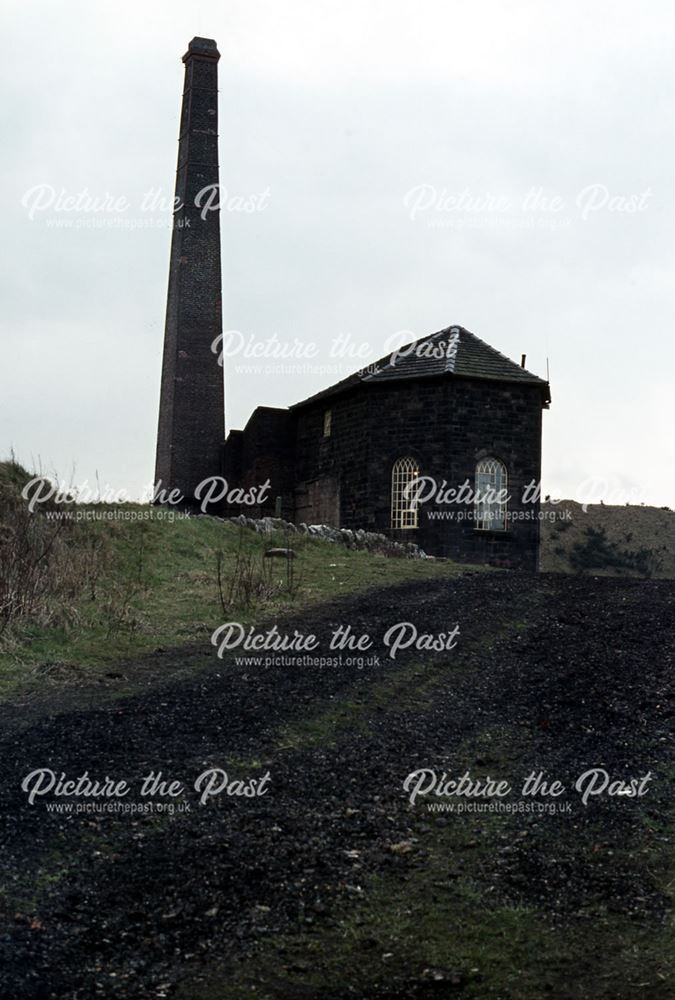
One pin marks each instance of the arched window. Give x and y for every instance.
(403, 508)
(491, 495)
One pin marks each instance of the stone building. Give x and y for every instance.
(447, 414)
(385, 448)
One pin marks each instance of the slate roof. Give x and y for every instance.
(453, 351)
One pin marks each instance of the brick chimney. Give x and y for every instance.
(192, 405)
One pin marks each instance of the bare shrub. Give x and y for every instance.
(46, 559)
(251, 579)
(117, 611)
(35, 564)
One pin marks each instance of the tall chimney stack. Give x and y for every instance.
(192, 404)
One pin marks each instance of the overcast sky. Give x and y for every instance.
(355, 120)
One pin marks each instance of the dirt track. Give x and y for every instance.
(557, 674)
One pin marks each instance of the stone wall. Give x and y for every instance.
(365, 540)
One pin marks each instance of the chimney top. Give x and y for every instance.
(202, 48)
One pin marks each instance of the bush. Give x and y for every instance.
(597, 552)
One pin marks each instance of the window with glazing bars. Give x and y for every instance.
(403, 508)
(491, 486)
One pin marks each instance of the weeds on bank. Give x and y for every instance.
(76, 595)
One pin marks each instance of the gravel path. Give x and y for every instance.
(550, 673)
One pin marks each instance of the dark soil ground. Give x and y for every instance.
(332, 884)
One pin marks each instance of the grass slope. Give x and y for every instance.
(609, 540)
(140, 584)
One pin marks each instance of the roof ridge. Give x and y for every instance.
(505, 357)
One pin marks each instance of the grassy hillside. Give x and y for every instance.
(77, 594)
(609, 540)
(112, 588)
